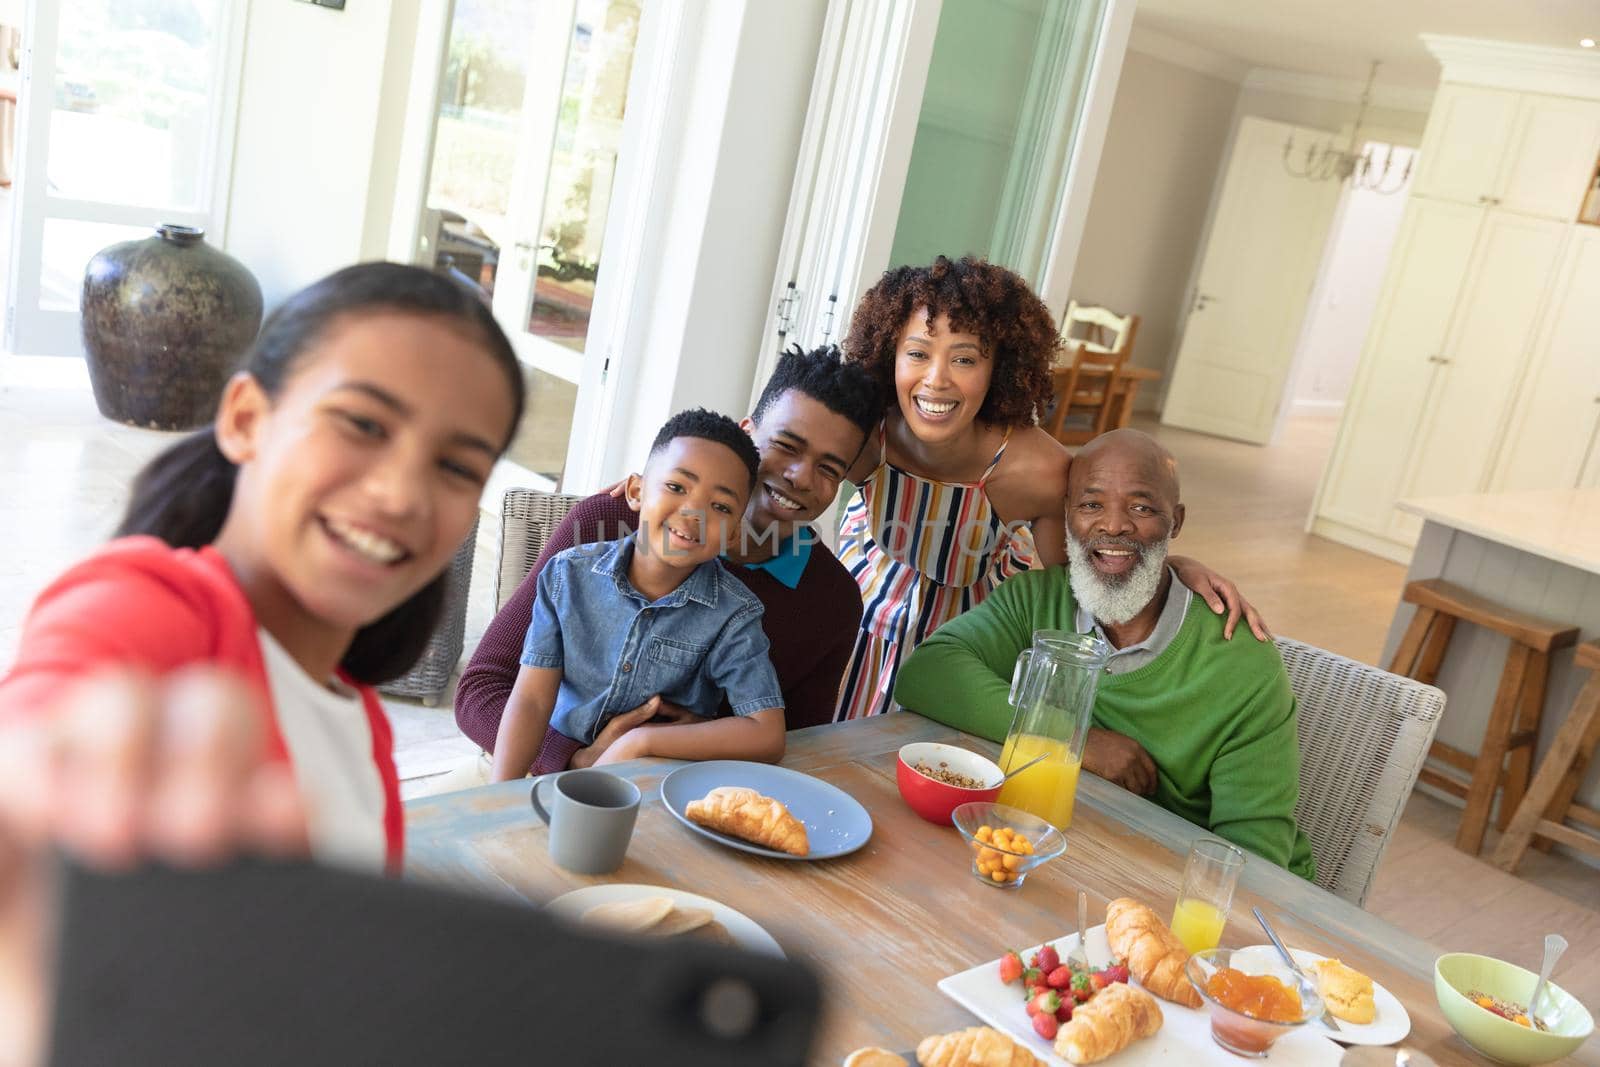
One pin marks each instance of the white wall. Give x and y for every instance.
(318, 129)
(1346, 295)
(1169, 125)
(719, 219)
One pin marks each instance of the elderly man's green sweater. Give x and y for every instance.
(1217, 717)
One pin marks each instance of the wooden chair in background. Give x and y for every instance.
(1087, 386)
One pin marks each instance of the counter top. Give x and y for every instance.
(1558, 524)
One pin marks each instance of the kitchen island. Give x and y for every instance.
(1537, 552)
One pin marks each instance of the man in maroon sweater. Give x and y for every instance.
(811, 420)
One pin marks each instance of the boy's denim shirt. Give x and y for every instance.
(616, 650)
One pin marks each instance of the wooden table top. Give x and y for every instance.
(882, 926)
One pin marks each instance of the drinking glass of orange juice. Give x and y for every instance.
(1209, 878)
(1052, 690)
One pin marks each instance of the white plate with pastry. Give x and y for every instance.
(766, 810)
(657, 911)
(1184, 1035)
(1343, 990)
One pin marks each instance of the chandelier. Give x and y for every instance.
(1321, 161)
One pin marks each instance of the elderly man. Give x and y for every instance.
(1202, 725)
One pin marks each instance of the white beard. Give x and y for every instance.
(1114, 601)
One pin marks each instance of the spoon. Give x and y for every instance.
(1327, 1017)
(1013, 773)
(1554, 946)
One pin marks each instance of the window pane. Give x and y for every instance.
(578, 195)
(133, 97)
(475, 140)
(971, 186)
(68, 246)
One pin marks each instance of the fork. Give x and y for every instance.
(1078, 958)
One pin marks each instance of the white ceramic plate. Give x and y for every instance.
(1390, 1023)
(836, 823)
(746, 932)
(1184, 1037)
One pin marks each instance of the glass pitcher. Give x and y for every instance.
(1052, 689)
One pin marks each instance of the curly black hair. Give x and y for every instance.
(846, 389)
(711, 426)
(980, 298)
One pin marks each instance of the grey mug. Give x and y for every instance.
(590, 819)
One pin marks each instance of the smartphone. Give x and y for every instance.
(273, 963)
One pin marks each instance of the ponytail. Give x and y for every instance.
(183, 494)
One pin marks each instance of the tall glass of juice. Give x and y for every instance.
(1209, 878)
(1052, 690)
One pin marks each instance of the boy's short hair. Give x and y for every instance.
(711, 426)
(846, 389)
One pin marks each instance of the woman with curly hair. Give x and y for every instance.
(959, 489)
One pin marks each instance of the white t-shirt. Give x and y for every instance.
(329, 740)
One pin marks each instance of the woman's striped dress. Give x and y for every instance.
(922, 552)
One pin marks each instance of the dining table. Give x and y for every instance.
(882, 925)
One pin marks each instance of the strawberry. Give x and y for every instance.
(1064, 1013)
(1046, 1003)
(1060, 978)
(1098, 980)
(1010, 967)
(1082, 989)
(1049, 959)
(1117, 972)
(1046, 1026)
(1033, 976)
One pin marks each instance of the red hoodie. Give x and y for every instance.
(141, 603)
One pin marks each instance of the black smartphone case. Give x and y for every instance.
(266, 963)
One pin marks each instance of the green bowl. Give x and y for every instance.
(1456, 973)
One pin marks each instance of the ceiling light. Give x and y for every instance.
(1587, 42)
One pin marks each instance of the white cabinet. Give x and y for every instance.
(1463, 149)
(1481, 370)
(1526, 152)
(1399, 362)
(1551, 441)
(1478, 368)
(1549, 157)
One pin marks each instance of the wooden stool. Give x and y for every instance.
(1518, 702)
(1548, 804)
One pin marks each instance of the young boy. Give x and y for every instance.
(653, 616)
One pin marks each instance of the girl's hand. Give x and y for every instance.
(616, 489)
(1218, 593)
(126, 770)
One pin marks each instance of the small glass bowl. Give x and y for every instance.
(1241, 1034)
(998, 867)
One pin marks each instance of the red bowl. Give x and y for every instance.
(935, 800)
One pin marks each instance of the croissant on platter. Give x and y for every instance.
(1154, 954)
(749, 816)
(1109, 1022)
(872, 1056)
(976, 1046)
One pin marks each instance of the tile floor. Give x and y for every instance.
(64, 473)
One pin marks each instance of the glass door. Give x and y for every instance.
(524, 162)
(126, 124)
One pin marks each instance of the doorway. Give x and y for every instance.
(1346, 294)
(526, 139)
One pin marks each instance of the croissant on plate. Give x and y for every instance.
(1109, 1022)
(749, 816)
(1154, 954)
(976, 1046)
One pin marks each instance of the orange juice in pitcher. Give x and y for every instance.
(1052, 690)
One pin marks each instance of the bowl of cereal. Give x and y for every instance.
(1486, 999)
(1006, 842)
(937, 779)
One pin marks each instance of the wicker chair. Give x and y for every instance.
(429, 677)
(527, 519)
(1363, 736)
